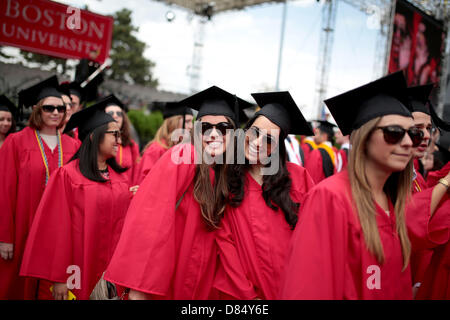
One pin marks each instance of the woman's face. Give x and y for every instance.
(386, 156)
(110, 144)
(188, 124)
(261, 139)
(213, 141)
(423, 122)
(53, 118)
(117, 113)
(5, 122)
(68, 103)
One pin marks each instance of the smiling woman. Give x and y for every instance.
(87, 215)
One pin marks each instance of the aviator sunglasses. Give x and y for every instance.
(255, 133)
(50, 109)
(394, 134)
(221, 127)
(118, 113)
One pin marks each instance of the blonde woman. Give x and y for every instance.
(175, 116)
(352, 240)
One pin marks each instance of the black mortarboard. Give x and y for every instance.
(7, 105)
(175, 109)
(280, 108)
(90, 118)
(72, 88)
(216, 101)
(418, 98)
(44, 89)
(326, 127)
(381, 97)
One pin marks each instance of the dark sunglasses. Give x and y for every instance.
(222, 127)
(50, 109)
(255, 133)
(116, 134)
(118, 113)
(395, 134)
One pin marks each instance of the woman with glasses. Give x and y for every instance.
(80, 217)
(7, 122)
(27, 159)
(176, 117)
(266, 193)
(167, 247)
(128, 153)
(354, 239)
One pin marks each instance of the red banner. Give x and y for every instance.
(54, 29)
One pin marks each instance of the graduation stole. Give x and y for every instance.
(44, 157)
(312, 144)
(329, 150)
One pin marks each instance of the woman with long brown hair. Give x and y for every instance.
(167, 247)
(353, 240)
(267, 192)
(27, 159)
(175, 116)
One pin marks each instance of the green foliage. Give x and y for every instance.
(145, 125)
(127, 53)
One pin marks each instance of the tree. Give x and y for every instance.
(127, 53)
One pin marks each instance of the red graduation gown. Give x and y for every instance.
(78, 222)
(314, 165)
(253, 241)
(128, 157)
(328, 258)
(148, 160)
(434, 176)
(22, 183)
(165, 251)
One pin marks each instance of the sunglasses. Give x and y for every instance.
(254, 133)
(50, 109)
(395, 134)
(116, 134)
(118, 113)
(222, 127)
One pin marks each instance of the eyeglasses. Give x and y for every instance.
(222, 127)
(395, 134)
(116, 134)
(118, 113)
(254, 133)
(50, 109)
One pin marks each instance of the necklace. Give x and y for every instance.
(44, 156)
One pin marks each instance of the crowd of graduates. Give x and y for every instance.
(198, 214)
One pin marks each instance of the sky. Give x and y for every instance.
(241, 48)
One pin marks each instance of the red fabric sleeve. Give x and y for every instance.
(314, 166)
(8, 188)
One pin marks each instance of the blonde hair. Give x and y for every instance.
(397, 187)
(163, 135)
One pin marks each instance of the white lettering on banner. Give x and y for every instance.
(16, 8)
(374, 281)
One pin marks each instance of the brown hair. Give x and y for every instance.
(212, 200)
(397, 187)
(163, 135)
(36, 122)
(125, 130)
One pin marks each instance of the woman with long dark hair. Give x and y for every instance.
(167, 248)
(27, 160)
(7, 122)
(80, 217)
(266, 192)
(356, 229)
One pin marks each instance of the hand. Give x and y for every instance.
(6, 250)
(134, 189)
(137, 295)
(60, 291)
